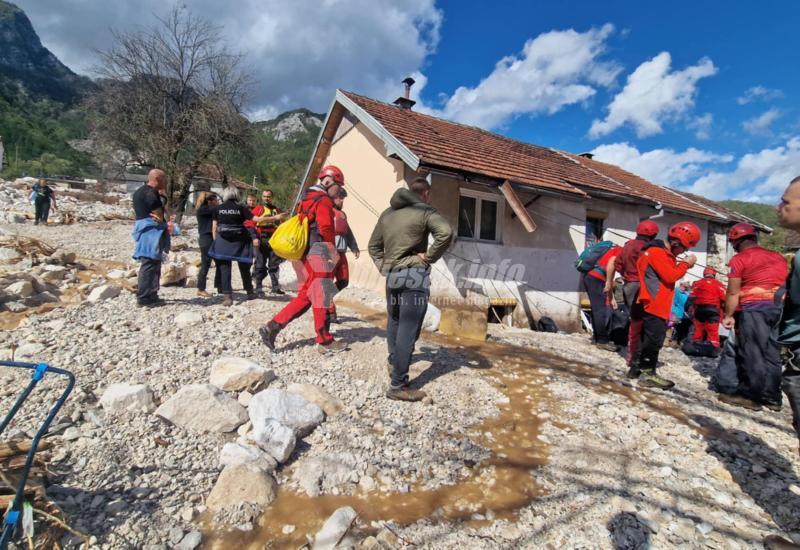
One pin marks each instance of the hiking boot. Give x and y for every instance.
(259, 292)
(335, 346)
(607, 346)
(332, 317)
(404, 393)
(227, 300)
(652, 380)
(771, 405)
(633, 372)
(739, 401)
(268, 334)
(252, 295)
(203, 294)
(278, 291)
(775, 542)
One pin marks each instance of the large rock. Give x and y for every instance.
(173, 274)
(8, 254)
(243, 483)
(335, 529)
(317, 395)
(127, 397)
(104, 292)
(188, 319)
(289, 409)
(54, 273)
(236, 454)
(237, 374)
(324, 474)
(20, 289)
(203, 408)
(275, 438)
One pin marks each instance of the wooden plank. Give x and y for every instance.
(516, 205)
(13, 448)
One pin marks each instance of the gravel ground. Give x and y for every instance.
(532, 440)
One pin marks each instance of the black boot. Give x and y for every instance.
(268, 334)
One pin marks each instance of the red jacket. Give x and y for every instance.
(658, 272)
(708, 292)
(319, 208)
(625, 263)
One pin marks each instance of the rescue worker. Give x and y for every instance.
(151, 232)
(43, 196)
(599, 287)
(315, 269)
(344, 240)
(659, 270)
(625, 265)
(708, 297)
(266, 262)
(789, 330)
(756, 281)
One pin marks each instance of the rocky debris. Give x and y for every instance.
(237, 374)
(104, 292)
(242, 483)
(190, 541)
(317, 395)
(127, 397)
(236, 454)
(327, 474)
(289, 409)
(275, 438)
(335, 529)
(203, 408)
(173, 273)
(189, 319)
(20, 289)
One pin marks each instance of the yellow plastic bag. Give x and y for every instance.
(290, 239)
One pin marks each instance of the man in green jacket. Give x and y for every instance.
(399, 248)
(789, 328)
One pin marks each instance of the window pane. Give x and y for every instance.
(489, 220)
(594, 230)
(466, 217)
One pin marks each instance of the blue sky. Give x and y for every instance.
(697, 95)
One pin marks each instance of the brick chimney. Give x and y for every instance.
(405, 101)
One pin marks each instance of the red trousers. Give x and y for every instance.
(316, 292)
(341, 276)
(706, 331)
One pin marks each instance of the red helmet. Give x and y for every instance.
(740, 231)
(647, 228)
(709, 272)
(334, 172)
(687, 233)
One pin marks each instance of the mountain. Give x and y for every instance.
(294, 125)
(38, 99)
(763, 213)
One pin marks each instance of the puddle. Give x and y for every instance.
(498, 486)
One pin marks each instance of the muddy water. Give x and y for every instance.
(499, 486)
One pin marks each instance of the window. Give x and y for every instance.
(479, 216)
(594, 230)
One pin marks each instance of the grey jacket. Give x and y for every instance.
(402, 232)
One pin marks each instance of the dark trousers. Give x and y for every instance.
(407, 293)
(42, 209)
(205, 261)
(654, 330)
(149, 281)
(601, 310)
(758, 361)
(791, 387)
(630, 292)
(267, 262)
(224, 268)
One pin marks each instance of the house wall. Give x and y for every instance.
(535, 270)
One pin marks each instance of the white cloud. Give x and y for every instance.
(663, 166)
(760, 176)
(702, 126)
(652, 95)
(759, 93)
(555, 69)
(760, 125)
(298, 52)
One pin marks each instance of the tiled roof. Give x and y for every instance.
(449, 145)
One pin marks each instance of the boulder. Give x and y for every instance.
(242, 483)
(127, 397)
(324, 474)
(289, 409)
(203, 408)
(188, 319)
(104, 292)
(54, 273)
(65, 258)
(334, 529)
(236, 454)
(20, 289)
(191, 541)
(42, 298)
(275, 438)
(237, 374)
(9, 254)
(173, 274)
(116, 274)
(15, 307)
(317, 395)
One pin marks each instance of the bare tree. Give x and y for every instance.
(172, 98)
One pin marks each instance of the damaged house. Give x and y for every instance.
(521, 213)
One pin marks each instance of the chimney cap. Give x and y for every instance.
(587, 155)
(408, 81)
(404, 102)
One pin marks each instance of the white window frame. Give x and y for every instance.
(479, 197)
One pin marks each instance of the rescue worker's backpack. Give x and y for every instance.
(589, 257)
(290, 240)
